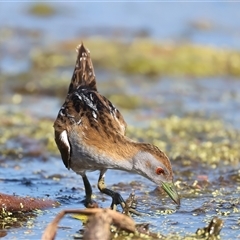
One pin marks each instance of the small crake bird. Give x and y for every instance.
(90, 135)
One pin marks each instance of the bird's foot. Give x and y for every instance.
(117, 199)
(131, 205)
(128, 207)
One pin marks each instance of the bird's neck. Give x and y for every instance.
(130, 155)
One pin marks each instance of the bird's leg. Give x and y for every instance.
(89, 203)
(116, 197)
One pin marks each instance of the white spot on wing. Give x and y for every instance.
(94, 114)
(80, 98)
(64, 138)
(80, 120)
(89, 102)
(61, 113)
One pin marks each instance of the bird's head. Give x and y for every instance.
(153, 164)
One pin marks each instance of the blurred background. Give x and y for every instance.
(151, 42)
(172, 69)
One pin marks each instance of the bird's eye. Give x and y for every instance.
(159, 171)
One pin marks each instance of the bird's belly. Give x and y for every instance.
(90, 158)
(84, 159)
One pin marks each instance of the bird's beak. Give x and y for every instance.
(171, 191)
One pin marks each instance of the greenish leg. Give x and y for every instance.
(116, 197)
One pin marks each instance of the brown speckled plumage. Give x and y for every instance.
(90, 133)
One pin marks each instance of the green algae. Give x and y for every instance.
(125, 101)
(187, 140)
(145, 57)
(10, 220)
(48, 83)
(23, 135)
(191, 138)
(42, 10)
(51, 68)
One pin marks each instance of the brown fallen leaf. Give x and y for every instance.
(98, 226)
(11, 203)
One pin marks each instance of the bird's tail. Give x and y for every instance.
(83, 74)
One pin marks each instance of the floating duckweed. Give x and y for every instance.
(207, 140)
(166, 211)
(30, 224)
(234, 227)
(217, 193)
(200, 232)
(236, 210)
(222, 213)
(5, 213)
(195, 183)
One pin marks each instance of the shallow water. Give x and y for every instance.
(42, 179)
(203, 188)
(47, 177)
(201, 23)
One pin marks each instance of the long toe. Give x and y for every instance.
(117, 199)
